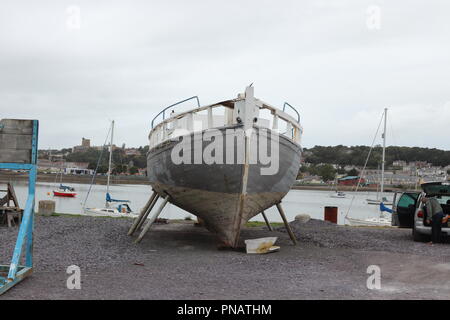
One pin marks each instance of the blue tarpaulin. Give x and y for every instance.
(109, 199)
(65, 188)
(383, 208)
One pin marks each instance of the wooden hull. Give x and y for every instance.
(224, 196)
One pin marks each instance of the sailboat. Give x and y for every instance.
(382, 219)
(113, 207)
(381, 199)
(63, 191)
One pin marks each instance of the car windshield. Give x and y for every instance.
(443, 199)
(438, 188)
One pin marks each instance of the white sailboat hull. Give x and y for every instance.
(108, 212)
(375, 222)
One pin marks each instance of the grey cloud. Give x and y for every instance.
(129, 59)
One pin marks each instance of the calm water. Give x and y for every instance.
(296, 202)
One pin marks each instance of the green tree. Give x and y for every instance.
(326, 172)
(102, 169)
(341, 170)
(356, 155)
(353, 172)
(133, 170)
(118, 169)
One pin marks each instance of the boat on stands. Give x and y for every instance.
(225, 162)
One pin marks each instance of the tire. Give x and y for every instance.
(417, 237)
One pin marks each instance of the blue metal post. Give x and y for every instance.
(16, 272)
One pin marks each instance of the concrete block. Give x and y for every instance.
(46, 207)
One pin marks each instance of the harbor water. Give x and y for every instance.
(311, 202)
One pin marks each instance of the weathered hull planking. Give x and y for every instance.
(225, 196)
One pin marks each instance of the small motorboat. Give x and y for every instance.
(338, 194)
(64, 191)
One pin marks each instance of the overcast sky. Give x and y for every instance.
(339, 62)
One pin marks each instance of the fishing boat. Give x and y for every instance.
(225, 162)
(113, 207)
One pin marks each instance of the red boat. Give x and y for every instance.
(64, 191)
(64, 194)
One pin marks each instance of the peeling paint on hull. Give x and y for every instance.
(215, 192)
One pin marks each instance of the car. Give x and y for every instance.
(404, 207)
(410, 212)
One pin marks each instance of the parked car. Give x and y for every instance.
(410, 212)
(404, 208)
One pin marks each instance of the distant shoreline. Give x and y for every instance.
(141, 180)
(344, 188)
(82, 179)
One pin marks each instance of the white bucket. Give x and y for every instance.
(261, 245)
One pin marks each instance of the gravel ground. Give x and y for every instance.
(328, 235)
(181, 261)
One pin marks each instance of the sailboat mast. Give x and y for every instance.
(384, 154)
(110, 156)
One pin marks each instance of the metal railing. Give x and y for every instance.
(163, 112)
(161, 131)
(284, 109)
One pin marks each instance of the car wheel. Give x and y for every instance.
(417, 237)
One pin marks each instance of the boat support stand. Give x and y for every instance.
(152, 219)
(286, 224)
(267, 221)
(139, 221)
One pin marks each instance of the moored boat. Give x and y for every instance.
(370, 222)
(338, 194)
(225, 162)
(122, 208)
(64, 191)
